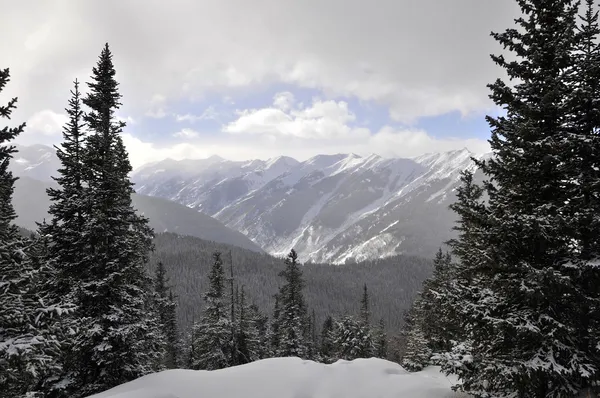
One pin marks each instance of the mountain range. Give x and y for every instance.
(330, 208)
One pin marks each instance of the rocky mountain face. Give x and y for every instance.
(330, 208)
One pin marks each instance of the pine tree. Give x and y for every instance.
(247, 339)
(291, 333)
(417, 354)
(522, 310)
(29, 346)
(167, 316)
(116, 341)
(261, 325)
(365, 312)
(275, 325)
(173, 341)
(381, 340)
(211, 337)
(352, 339)
(327, 347)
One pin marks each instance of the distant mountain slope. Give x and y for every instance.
(31, 204)
(330, 208)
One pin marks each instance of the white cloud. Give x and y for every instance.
(323, 120)
(44, 127)
(419, 58)
(186, 133)
(284, 100)
(209, 114)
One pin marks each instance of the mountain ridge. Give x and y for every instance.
(330, 208)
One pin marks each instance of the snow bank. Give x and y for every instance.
(291, 378)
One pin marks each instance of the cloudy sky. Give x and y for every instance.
(256, 79)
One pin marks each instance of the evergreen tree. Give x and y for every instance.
(117, 341)
(261, 325)
(247, 338)
(29, 346)
(211, 336)
(531, 270)
(167, 316)
(365, 312)
(417, 354)
(68, 202)
(381, 340)
(352, 339)
(327, 347)
(275, 325)
(291, 333)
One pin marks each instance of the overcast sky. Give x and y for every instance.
(260, 78)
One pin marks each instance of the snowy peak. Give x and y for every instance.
(330, 208)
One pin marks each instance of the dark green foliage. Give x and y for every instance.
(329, 289)
(526, 281)
(381, 344)
(293, 313)
(167, 316)
(352, 339)
(211, 336)
(327, 347)
(101, 246)
(365, 313)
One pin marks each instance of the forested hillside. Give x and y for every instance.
(393, 282)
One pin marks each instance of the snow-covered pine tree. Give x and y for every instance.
(211, 336)
(29, 344)
(380, 338)
(524, 308)
(437, 318)
(166, 313)
(261, 324)
(247, 337)
(352, 339)
(583, 206)
(417, 353)
(327, 347)
(117, 340)
(292, 340)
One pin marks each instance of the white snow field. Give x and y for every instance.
(292, 378)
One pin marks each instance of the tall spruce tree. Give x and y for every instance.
(211, 337)
(365, 311)
(167, 316)
(29, 346)
(247, 338)
(523, 311)
(117, 341)
(327, 347)
(291, 333)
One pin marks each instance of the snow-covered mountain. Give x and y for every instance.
(36, 164)
(330, 208)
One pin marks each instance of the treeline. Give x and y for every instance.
(329, 290)
(231, 330)
(517, 312)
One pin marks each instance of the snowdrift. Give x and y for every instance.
(292, 378)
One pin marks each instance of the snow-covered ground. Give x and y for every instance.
(292, 378)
